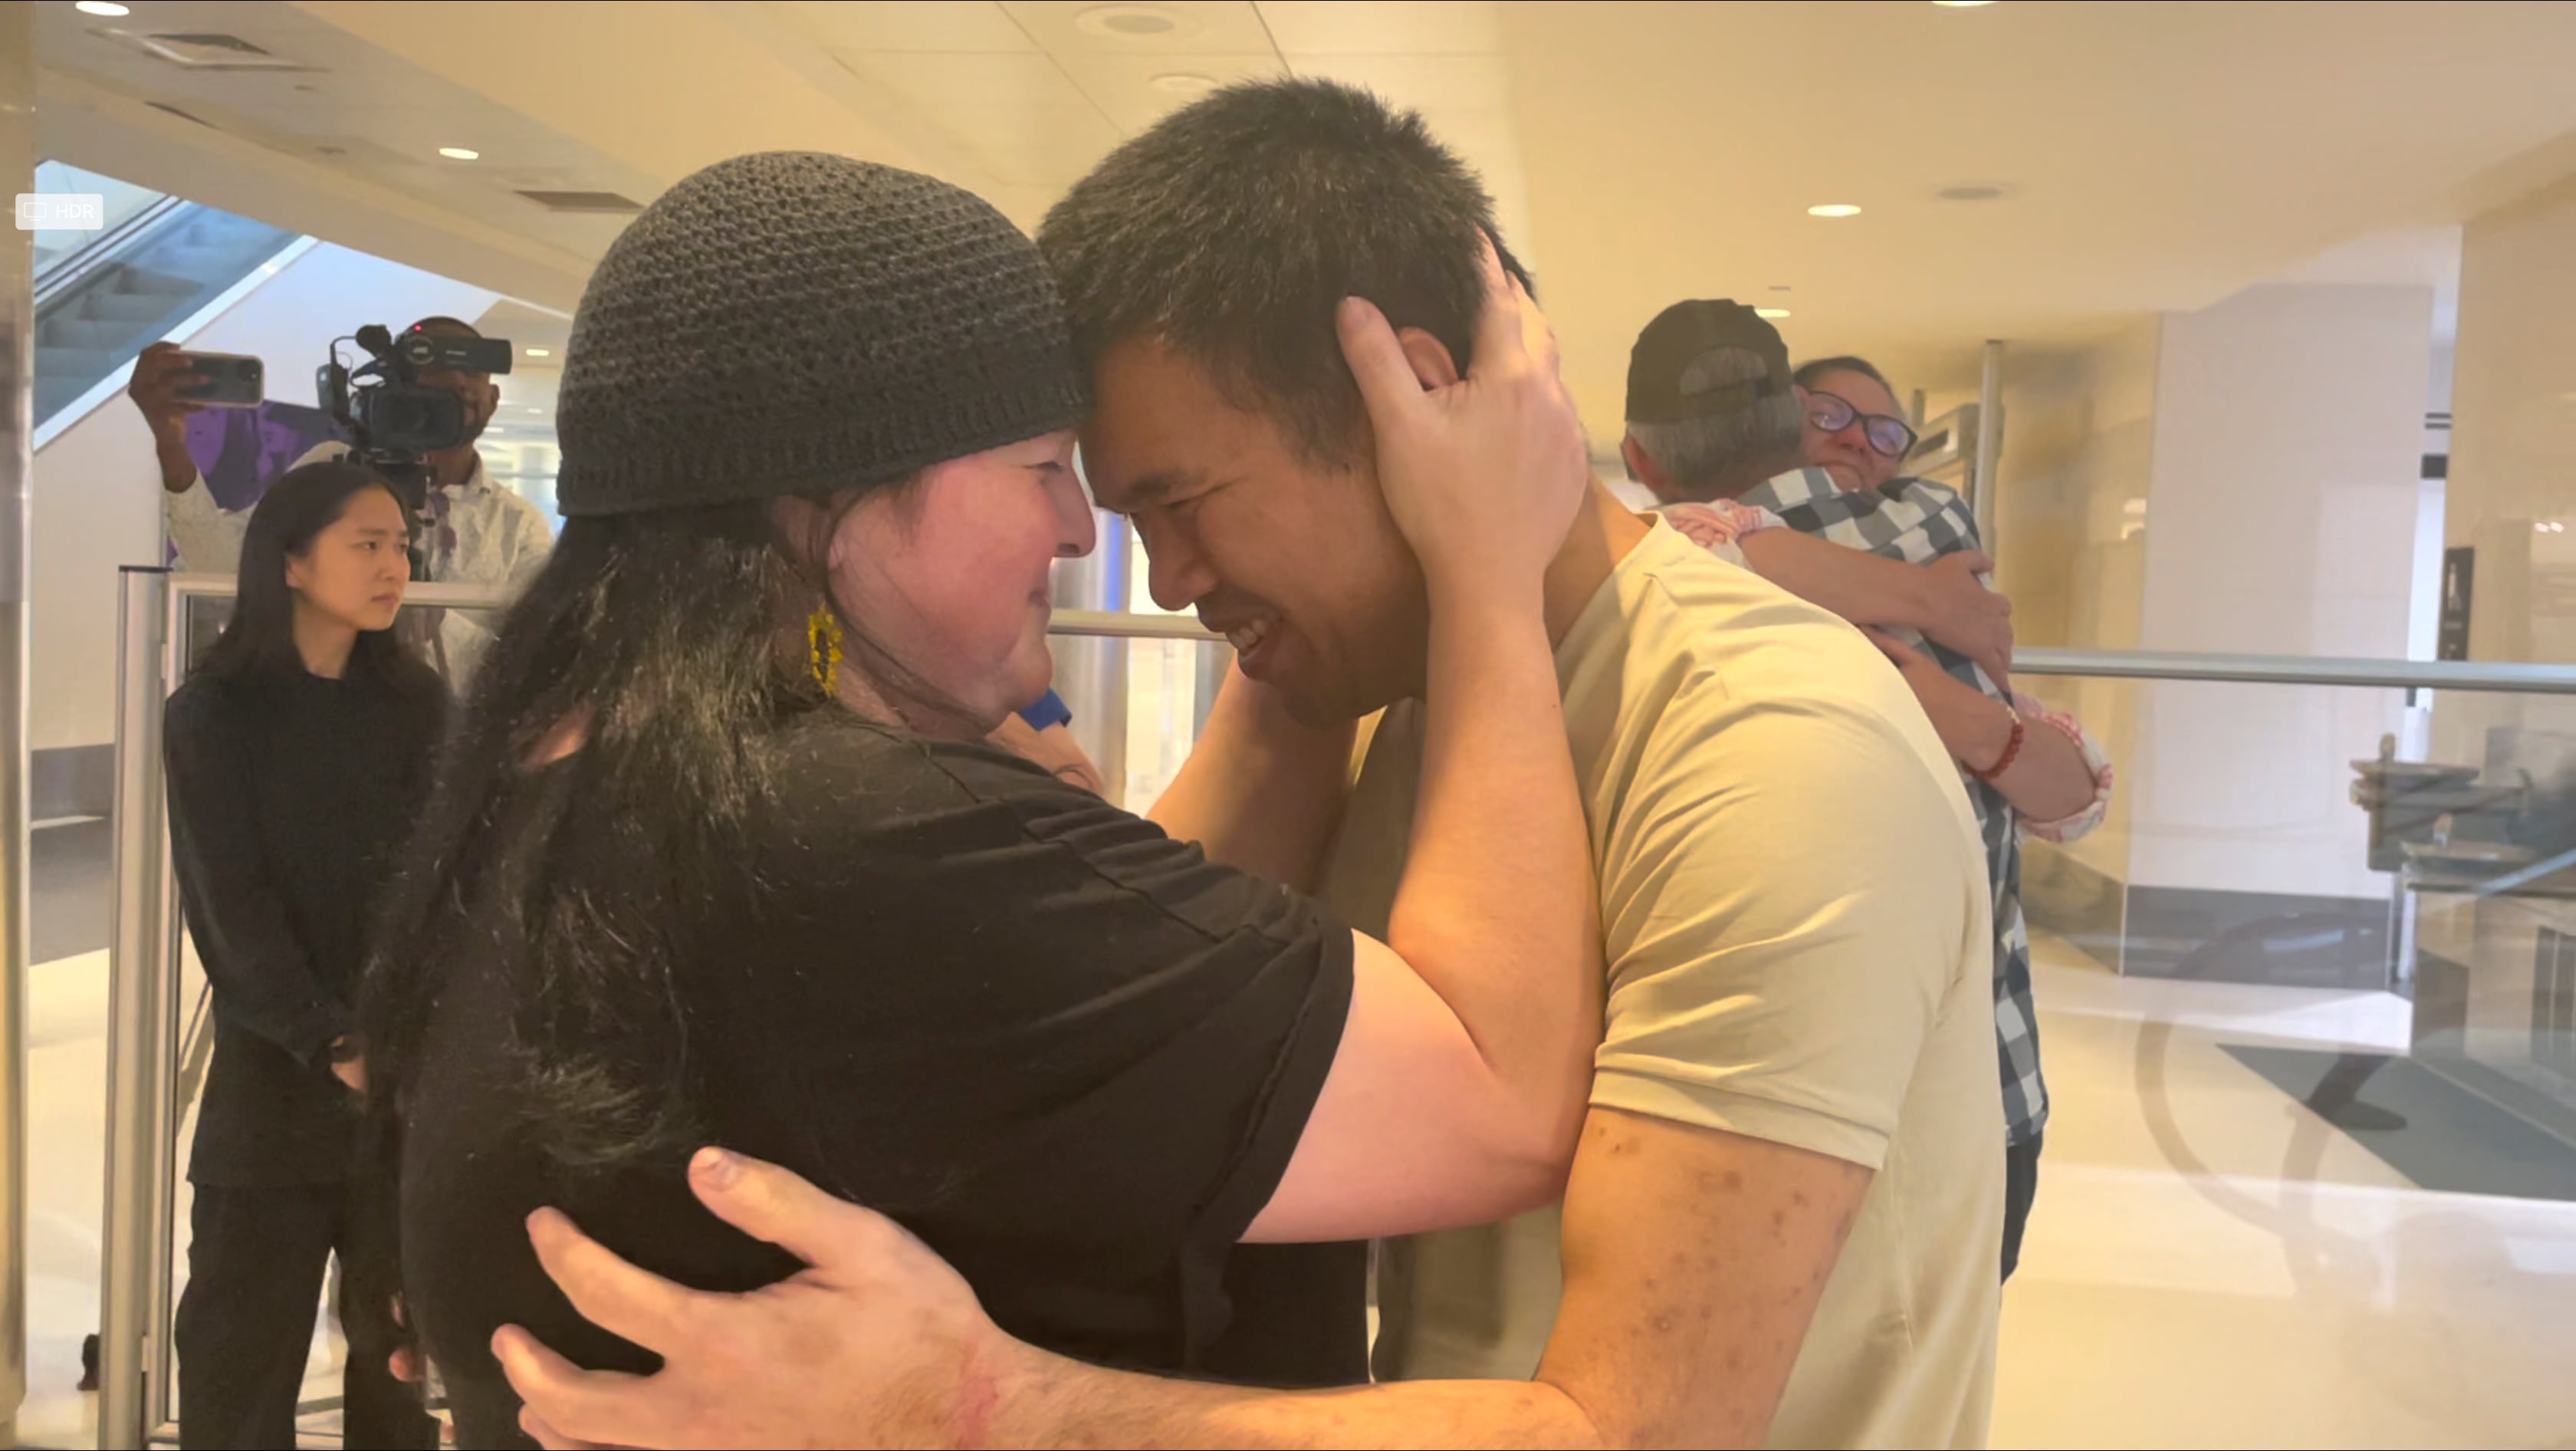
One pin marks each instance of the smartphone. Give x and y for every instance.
(233, 380)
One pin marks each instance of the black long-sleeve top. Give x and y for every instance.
(288, 800)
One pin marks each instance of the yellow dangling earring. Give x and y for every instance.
(823, 645)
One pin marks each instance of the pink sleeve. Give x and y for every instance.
(2069, 828)
(1720, 522)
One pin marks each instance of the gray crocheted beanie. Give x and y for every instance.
(794, 322)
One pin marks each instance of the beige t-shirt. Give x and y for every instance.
(1794, 897)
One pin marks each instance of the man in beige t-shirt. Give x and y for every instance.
(1774, 973)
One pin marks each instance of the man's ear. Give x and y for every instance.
(1429, 357)
(1643, 469)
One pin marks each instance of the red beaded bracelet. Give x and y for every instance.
(2012, 750)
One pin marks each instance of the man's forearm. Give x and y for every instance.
(1259, 792)
(1052, 1402)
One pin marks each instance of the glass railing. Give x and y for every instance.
(2373, 827)
(2355, 825)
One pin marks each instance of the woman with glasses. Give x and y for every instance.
(1855, 431)
(2034, 773)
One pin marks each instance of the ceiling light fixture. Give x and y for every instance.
(541, 352)
(1127, 22)
(1181, 83)
(459, 153)
(1774, 313)
(108, 8)
(1834, 209)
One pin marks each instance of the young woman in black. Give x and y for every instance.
(719, 852)
(299, 753)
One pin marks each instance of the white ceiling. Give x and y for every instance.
(2153, 155)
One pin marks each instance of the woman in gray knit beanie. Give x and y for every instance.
(718, 855)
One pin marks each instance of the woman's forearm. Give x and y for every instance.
(1497, 910)
(2050, 780)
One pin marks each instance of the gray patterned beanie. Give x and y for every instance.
(793, 322)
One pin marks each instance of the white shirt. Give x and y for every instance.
(499, 540)
(1772, 973)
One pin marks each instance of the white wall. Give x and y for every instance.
(2281, 520)
(97, 499)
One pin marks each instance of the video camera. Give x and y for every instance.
(392, 417)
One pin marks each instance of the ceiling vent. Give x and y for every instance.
(205, 52)
(603, 202)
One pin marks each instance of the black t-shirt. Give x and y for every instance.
(288, 798)
(1068, 1052)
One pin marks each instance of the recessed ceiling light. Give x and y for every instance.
(541, 352)
(1834, 209)
(459, 153)
(1771, 312)
(1181, 83)
(1127, 21)
(101, 7)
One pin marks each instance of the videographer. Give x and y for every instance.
(479, 532)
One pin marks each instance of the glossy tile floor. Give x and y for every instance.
(2210, 1264)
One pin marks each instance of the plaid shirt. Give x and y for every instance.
(1917, 521)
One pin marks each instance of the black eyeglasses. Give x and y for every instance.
(1890, 436)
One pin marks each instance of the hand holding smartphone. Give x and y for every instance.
(223, 380)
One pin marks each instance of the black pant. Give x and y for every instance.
(256, 1258)
(2021, 1185)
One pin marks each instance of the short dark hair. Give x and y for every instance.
(443, 320)
(1232, 229)
(1808, 373)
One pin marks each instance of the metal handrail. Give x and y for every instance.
(2098, 664)
(2482, 675)
(2168, 665)
(425, 595)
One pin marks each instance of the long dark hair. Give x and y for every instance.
(663, 638)
(258, 642)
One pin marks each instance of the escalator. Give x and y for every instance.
(102, 297)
